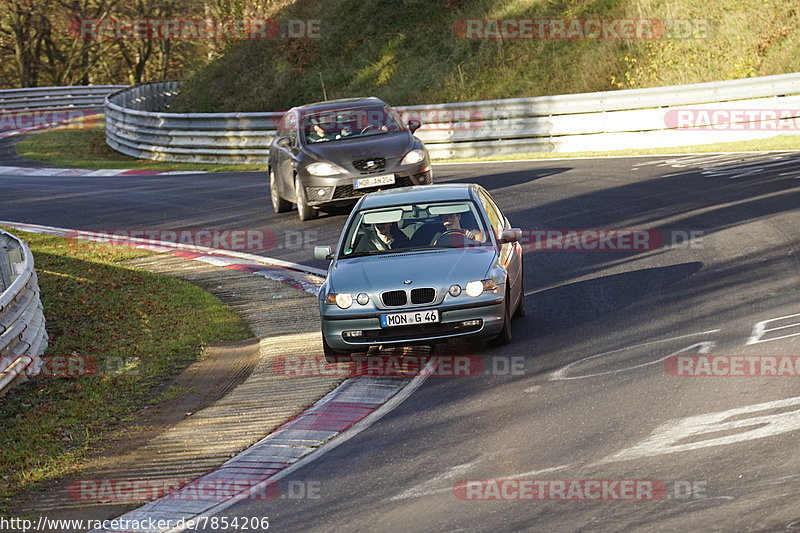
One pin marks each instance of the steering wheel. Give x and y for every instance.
(367, 127)
(448, 233)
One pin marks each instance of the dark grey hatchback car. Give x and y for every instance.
(329, 154)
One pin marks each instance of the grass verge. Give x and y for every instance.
(778, 143)
(135, 328)
(87, 148)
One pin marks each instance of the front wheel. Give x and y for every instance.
(521, 309)
(304, 211)
(279, 205)
(505, 334)
(331, 355)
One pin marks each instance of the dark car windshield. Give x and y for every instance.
(414, 227)
(339, 124)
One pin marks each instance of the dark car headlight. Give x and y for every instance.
(413, 157)
(324, 168)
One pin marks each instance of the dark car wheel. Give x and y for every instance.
(521, 309)
(505, 334)
(279, 205)
(304, 211)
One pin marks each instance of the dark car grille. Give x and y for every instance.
(422, 296)
(347, 191)
(394, 298)
(370, 164)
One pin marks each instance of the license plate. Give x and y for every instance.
(373, 181)
(409, 319)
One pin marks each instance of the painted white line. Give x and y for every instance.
(427, 488)
(434, 485)
(348, 434)
(560, 374)
(760, 329)
(671, 436)
(88, 172)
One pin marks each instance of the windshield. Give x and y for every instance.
(414, 227)
(341, 124)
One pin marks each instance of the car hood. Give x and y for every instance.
(428, 268)
(343, 152)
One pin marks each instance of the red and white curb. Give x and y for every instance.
(83, 172)
(339, 416)
(299, 276)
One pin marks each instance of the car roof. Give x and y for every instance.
(418, 194)
(344, 103)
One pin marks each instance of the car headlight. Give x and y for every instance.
(323, 168)
(412, 157)
(362, 299)
(476, 288)
(341, 299)
(454, 290)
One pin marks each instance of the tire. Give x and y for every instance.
(521, 309)
(505, 334)
(279, 205)
(332, 356)
(304, 211)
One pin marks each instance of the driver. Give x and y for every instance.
(452, 223)
(318, 133)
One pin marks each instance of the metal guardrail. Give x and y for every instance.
(39, 98)
(22, 324)
(137, 125)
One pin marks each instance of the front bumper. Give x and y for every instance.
(490, 315)
(329, 190)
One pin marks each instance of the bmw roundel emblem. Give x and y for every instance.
(407, 282)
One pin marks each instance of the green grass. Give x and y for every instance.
(139, 329)
(778, 143)
(407, 52)
(87, 148)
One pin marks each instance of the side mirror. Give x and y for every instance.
(414, 124)
(323, 253)
(510, 235)
(283, 142)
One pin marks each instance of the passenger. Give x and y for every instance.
(386, 236)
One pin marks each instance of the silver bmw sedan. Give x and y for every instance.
(421, 265)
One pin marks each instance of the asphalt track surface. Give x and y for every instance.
(718, 459)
